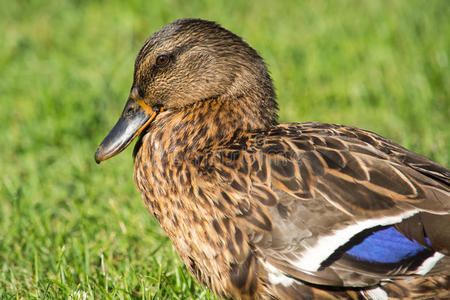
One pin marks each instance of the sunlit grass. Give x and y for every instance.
(70, 228)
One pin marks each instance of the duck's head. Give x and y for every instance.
(187, 61)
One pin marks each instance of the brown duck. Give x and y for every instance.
(261, 210)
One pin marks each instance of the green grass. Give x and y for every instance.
(71, 228)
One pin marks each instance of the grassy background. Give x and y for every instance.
(70, 228)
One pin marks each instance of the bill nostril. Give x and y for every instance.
(129, 111)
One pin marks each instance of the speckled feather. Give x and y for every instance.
(263, 197)
(260, 210)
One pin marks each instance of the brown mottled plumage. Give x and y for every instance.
(260, 210)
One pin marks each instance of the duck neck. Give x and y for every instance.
(207, 124)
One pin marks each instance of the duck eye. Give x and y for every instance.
(162, 60)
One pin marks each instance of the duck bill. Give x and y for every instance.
(135, 117)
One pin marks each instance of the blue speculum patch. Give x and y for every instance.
(386, 246)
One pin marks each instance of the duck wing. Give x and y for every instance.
(395, 151)
(336, 206)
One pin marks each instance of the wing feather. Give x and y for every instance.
(316, 186)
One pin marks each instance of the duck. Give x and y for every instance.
(258, 209)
